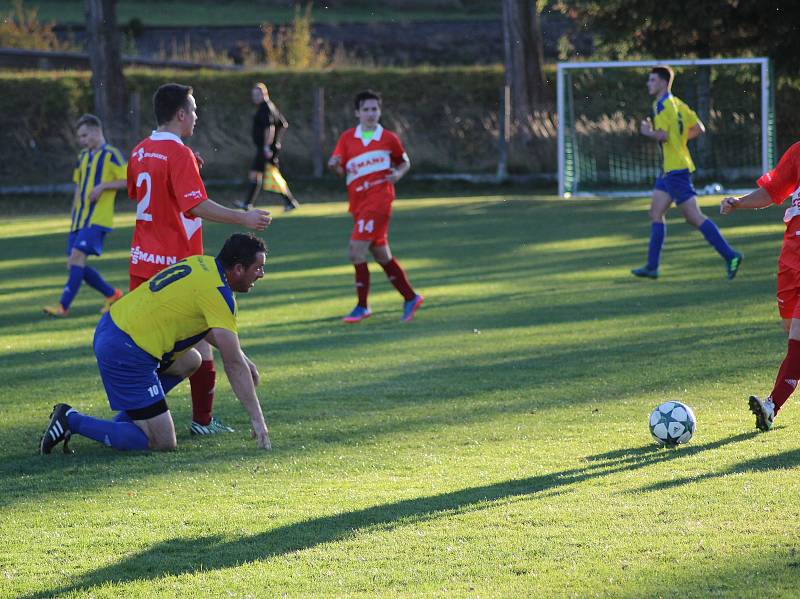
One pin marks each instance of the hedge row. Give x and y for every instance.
(447, 118)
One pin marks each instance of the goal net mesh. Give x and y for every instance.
(603, 108)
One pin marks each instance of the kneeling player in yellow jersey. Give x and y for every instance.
(144, 347)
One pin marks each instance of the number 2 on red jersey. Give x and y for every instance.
(144, 203)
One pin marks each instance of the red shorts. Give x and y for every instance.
(371, 226)
(789, 292)
(135, 281)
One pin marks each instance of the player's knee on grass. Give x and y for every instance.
(160, 431)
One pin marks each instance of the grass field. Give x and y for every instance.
(496, 446)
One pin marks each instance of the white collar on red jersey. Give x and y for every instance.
(165, 136)
(359, 134)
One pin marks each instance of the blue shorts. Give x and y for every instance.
(676, 184)
(130, 374)
(88, 240)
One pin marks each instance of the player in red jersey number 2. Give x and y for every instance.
(372, 159)
(164, 180)
(775, 187)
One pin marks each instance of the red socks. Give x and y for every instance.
(203, 382)
(362, 283)
(397, 276)
(788, 375)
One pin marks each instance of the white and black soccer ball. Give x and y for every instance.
(672, 423)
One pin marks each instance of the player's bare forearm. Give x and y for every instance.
(752, 201)
(242, 381)
(269, 135)
(399, 171)
(646, 129)
(657, 135)
(253, 219)
(101, 188)
(696, 130)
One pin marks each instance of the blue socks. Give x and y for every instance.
(715, 238)
(120, 433)
(657, 233)
(78, 274)
(96, 281)
(72, 286)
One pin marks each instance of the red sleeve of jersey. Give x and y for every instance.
(184, 175)
(340, 150)
(131, 181)
(397, 149)
(781, 181)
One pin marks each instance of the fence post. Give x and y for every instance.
(503, 133)
(318, 130)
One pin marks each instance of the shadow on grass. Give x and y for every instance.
(181, 556)
(779, 461)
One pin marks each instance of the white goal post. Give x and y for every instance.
(572, 129)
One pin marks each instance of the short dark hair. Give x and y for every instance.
(664, 72)
(89, 120)
(241, 248)
(169, 99)
(367, 94)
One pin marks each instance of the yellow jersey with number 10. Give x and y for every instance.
(672, 115)
(174, 309)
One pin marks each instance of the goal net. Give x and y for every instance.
(601, 104)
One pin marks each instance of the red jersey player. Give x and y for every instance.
(373, 160)
(774, 187)
(164, 180)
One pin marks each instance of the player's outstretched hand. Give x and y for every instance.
(261, 435)
(646, 128)
(728, 205)
(257, 219)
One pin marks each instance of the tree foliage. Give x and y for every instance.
(692, 28)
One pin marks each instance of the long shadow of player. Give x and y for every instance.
(788, 459)
(181, 556)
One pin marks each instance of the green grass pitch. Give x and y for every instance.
(495, 446)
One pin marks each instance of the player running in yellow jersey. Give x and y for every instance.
(673, 124)
(144, 347)
(101, 170)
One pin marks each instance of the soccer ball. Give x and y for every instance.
(672, 423)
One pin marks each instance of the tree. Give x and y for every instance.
(108, 81)
(691, 28)
(524, 70)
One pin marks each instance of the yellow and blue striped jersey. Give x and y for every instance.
(175, 308)
(672, 115)
(104, 164)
